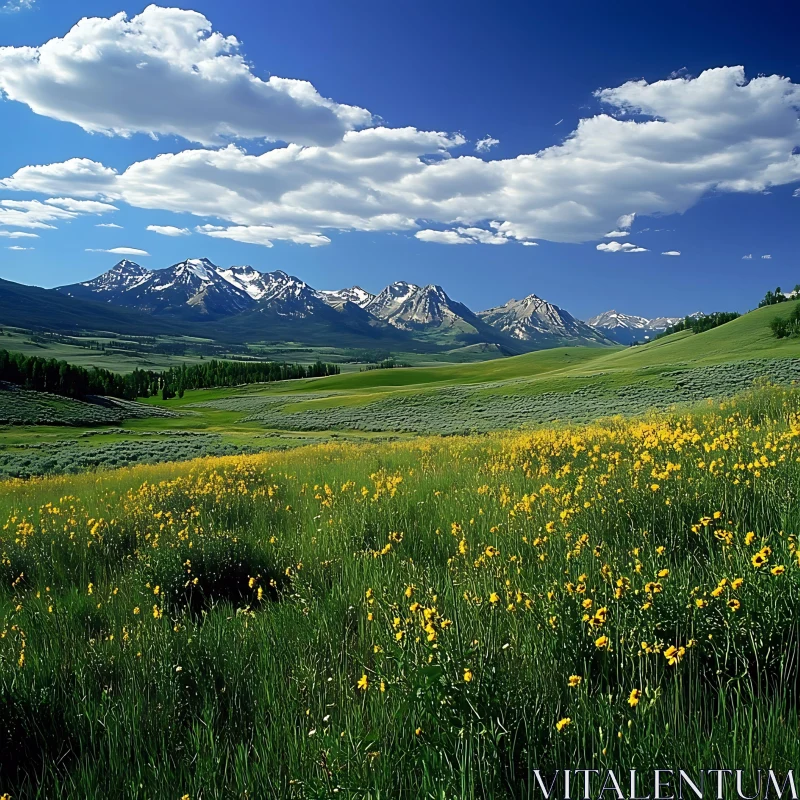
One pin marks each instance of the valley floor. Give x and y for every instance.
(561, 385)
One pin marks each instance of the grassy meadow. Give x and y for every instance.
(563, 385)
(434, 617)
(416, 582)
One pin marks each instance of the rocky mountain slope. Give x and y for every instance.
(535, 320)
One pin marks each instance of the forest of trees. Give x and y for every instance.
(700, 324)
(59, 377)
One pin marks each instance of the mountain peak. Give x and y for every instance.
(355, 295)
(532, 319)
(127, 266)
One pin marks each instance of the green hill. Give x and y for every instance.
(747, 337)
(569, 384)
(523, 366)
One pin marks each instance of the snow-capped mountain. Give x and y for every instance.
(279, 305)
(246, 279)
(627, 329)
(191, 286)
(355, 295)
(411, 307)
(394, 295)
(125, 275)
(533, 319)
(199, 285)
(287, 295)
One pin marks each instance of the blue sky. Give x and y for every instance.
(713, 177)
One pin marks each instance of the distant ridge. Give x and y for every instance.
(629, 329)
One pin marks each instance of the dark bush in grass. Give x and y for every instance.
(220, 569)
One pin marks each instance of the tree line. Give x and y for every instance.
(778, 296)
(59, 377)
(701, 324)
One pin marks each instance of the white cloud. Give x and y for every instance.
(263, 234)
(443, 237)
(616, 234)
(81, 206)
(18, 235)
(35, 214)
(796, 193)
(486, 144)
(620, 247)
(18, 5)
(625, 221)
(716, 132)
(169, 230)
(530, 244)
(766, 256)
(166, 71)
(671, 253)
(748, 256)
(470, 235)
(87, 178)
(17, 247)
(108, 225)
(120, 251)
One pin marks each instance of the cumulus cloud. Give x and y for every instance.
(108, 225)
(796, 193)
(443, 237)
(671, 253)
(470, 235)
(18, 235)
(486, 144)
(169, 230)
(17, 247)
(167, 71)
(120, 251)
(663, 147)
(748, 256)
(620, 247)
(617, 234)
(766, 256)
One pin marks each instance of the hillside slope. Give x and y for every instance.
(747, 337)
(46, 309)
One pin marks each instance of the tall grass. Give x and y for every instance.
(404, 619)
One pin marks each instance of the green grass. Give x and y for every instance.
(568, 384)
(138, 658)
(574, 384)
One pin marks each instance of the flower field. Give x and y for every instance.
(432, 618)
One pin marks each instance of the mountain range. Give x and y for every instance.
(242, 304)
(403, 313)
